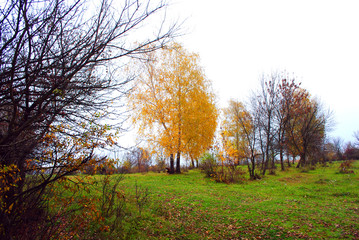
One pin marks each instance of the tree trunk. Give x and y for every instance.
(249, 170)
(302, 161)
(288, 161)
(172, 165)
(253, 167)
(264, 164)
(192, 163)
(281, 159)
(178, 162)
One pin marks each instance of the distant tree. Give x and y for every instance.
(240, 134)
(55, 68)
(173, 104)
(266, 101)
(233, 132)
(287, 122)
(139, 159)
(307, 128)
(351, 152)
(338, 145)
(289, 94)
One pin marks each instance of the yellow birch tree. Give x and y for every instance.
(173, 104)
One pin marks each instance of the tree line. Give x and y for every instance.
(280, 122)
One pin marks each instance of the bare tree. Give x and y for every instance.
(55, 68)
(139, 157)
(251, 135)
(338, 145)
(267, 102)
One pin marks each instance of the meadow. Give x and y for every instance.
(294, 204)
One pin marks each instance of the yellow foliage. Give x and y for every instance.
(236, 128)
(173, 104)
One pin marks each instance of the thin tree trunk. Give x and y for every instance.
(172, 164)
(302, 161)
(281, 159)
(288, 161)
(178, 162)
(249, 170)
(192, 163)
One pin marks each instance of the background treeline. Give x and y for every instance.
(280, 124)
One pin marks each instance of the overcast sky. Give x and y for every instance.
(317, 41)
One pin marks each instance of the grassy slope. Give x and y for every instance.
(317, 204)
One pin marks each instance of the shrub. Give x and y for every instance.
(208, 164)
(346, 166)
(229, 174)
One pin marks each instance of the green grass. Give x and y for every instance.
(319, 204)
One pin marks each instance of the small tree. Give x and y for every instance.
(240, 133)
(139, 159)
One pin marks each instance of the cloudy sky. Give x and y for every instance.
(317, 41)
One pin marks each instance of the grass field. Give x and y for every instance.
(318, 204)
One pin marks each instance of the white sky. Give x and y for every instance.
(317, 40)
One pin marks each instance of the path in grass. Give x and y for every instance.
(292, 204)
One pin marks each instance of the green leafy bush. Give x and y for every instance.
(208, 164)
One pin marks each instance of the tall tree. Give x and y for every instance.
(267, 101)
(54, 68)
(289, 92)
(174, 105)
(307, 127)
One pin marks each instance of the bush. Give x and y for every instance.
(346, 166)
(229, 174)
(208, 164)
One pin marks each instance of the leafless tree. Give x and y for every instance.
(338, 145)
(267, 102)
(57, 65)
(140, 158)
(251, 135)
